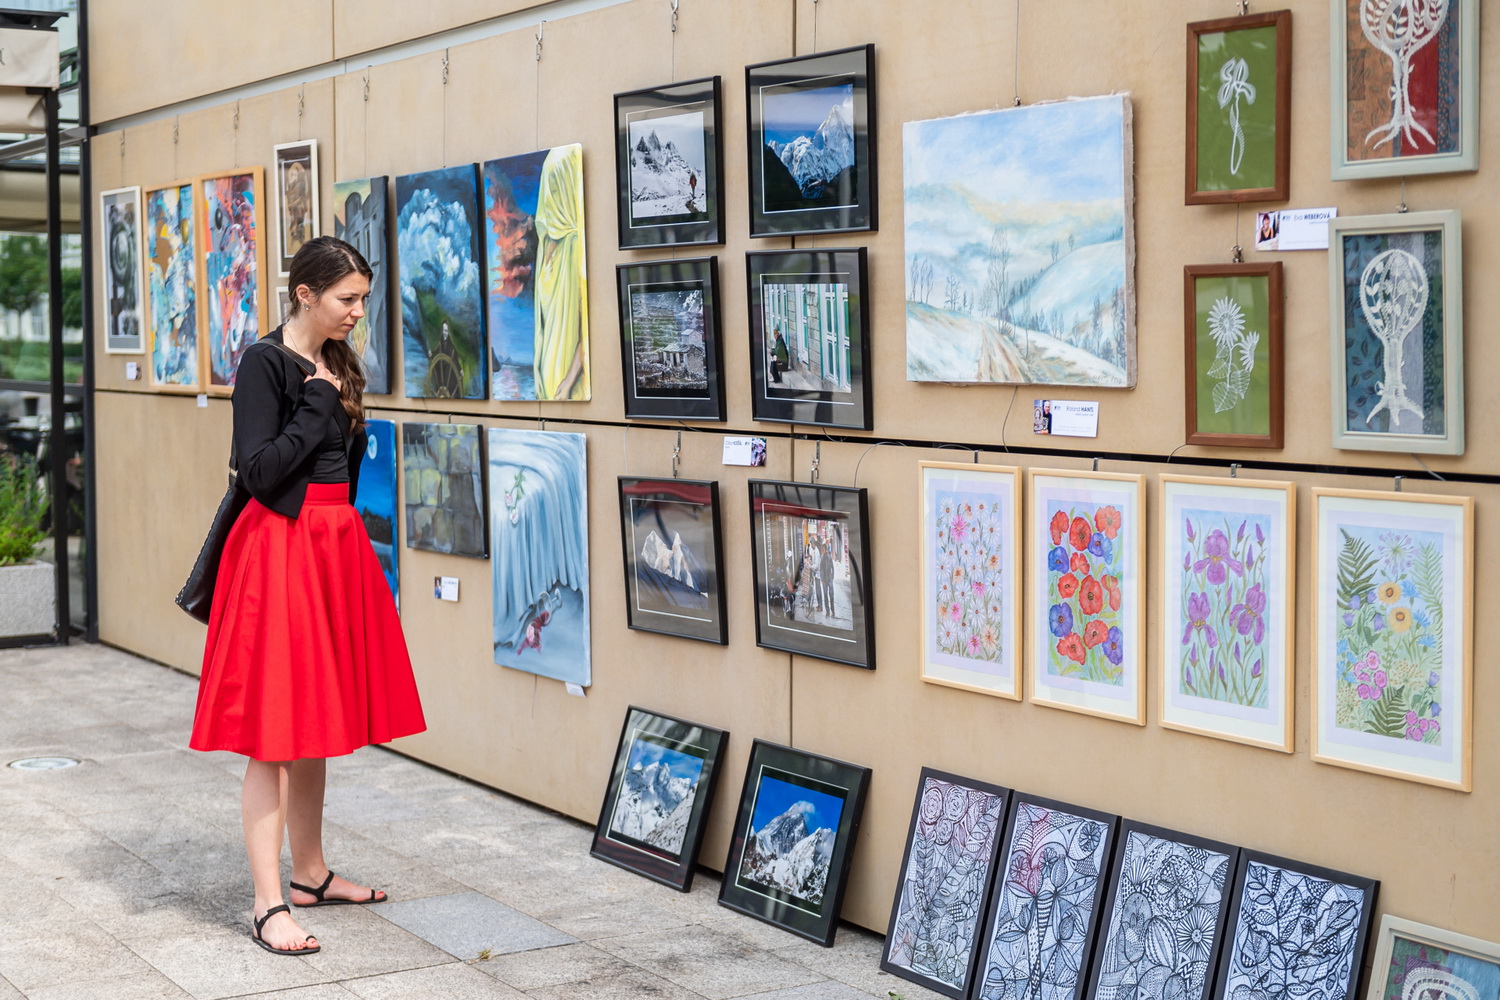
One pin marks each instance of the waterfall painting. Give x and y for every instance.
(1239, 108)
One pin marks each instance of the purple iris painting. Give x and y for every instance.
(1222, 650)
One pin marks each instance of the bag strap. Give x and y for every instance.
(306, 367)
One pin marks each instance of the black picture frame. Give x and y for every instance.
(961, 868)
(810, 337)
(667, 742)
(656, 370)
(665, 598)
(673, 107)
(1266, 964)
(778, 775)
(1122, 894)
(790, 591)
(785, 101)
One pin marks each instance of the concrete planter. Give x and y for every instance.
(28, 599)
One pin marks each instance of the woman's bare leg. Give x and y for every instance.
(306, 782)
(263, 806)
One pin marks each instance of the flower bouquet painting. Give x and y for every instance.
(1086, 576)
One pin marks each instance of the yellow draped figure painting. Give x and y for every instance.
(562, 330)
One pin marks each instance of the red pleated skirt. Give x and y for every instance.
(305, 655)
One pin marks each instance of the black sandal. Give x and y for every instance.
(318, 894)
(255, 935)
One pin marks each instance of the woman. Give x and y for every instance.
(305, 658)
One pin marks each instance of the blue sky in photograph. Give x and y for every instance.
(644, 753)
(775, 797)
(793, 112)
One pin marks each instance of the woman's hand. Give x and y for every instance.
(327, 375)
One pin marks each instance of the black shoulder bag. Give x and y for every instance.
(197, 595)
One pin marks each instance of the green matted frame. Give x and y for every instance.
(1244, 94)
(1196, 367)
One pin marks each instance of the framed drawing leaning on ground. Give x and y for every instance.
(1232, 327)
(668, 152)
(1415, 960)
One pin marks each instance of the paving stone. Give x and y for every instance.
(48, 954)
(356, 806)
(588, 920)
(9, 992)
(139, 986)
(855, 961)
(819, 991)
(215, 962)
(324, 991)
(636, 985)
(464, 924)
(715, 965)
(569, 963)
(165, 767)
(114, 741)
(356, 942)
(454, 981)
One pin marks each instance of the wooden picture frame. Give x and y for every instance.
(231, 248)
(1434, 949)
(649, 179)
(669, 312)
(297, 192)
(1256, 51)
(122, 266)
(174, 295)
(1233, 319)
(674, 558)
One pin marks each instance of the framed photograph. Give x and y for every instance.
(812, 143)
(668, 152)
(1164, 918)
(1405, 88)
(1396, 302)
(1228, 611)
(945, 878)
(794, 838)
(673, 554)
(232, 259)
(669, 339)
(809, 337)
(1415, 960)
(971, 577)
(1046, 902)
(172, 287)
(812, 571)
(1239, 108)
(297, 217)
(659, 794)
(1086, 577)
(1232, 322)
(1393, 611)
(1295, 930)
(360, 219)
(120, 236)
(375, 499)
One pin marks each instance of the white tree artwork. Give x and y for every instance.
(1400, 28)
(1437, 984)
(1234, 83)
(1234, 357)
(1393, 297)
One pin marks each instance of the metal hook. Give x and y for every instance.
(1096, 463)
(1401, 208)
(1237, 254)
(445, 67)
(674, 14)
(817, 458)
(367, 84)
(1234, 470)
(301, 102)
(541, 423)
(122, 142)
(1244, 6)
(976, 456)
(174, 130)
(1398, 483)
(236, 116)
(677, 455)
(539, 29)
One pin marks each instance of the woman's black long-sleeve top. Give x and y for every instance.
(280, 421)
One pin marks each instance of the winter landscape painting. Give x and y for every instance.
(234, 294)
(672, 557)
(171, 284)
(359, 218)
(669, 339)
(375, 499)
(443, 478)
(1020, 246)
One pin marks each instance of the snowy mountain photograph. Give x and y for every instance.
(1020, 246)
(808, 156)
(657, 794)
(789, 846)
(667, 159)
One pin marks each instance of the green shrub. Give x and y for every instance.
(22, 510)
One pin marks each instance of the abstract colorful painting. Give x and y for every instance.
(296, 197)
(442, 468)
(234, 259)
(1048, 895)
(1239, 108)
(442, 299)
(971, 577)
(1086, 578)
(1228, 608)
(120, 236)
(537, 285)
(172, 282)
(1020, 246)
(1393, 634)
(359, 219)
(375, 499)
(1233, 355)
(1416, 962)
(540, 552)
(673, 557)
(945, 878)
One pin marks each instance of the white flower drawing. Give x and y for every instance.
(1393, 297)
(1234, 83)
(1400, 28)
(1234, 357)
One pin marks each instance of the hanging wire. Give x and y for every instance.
(877, 444)
(1005, 421)
(815, 26)
(536, 126)
(1427, 469)
(1016, 61)
(674, 39)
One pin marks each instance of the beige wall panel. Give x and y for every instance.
(186, 49)
(362, 25)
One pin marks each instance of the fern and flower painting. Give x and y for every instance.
(1233, 354)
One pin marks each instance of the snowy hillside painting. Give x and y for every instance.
(657, 795)
(789, 846)
(1020, 246)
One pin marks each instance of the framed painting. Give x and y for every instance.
(1046, 902)
(1393, 633)
(668, 151)
(659, 793)
(172, 287)
(283, 303)
(1228, 611)
(1396, 302)
(812, 143)
(1239, 108)
(442, 299)
(1232, 354)
(971, 577)
(120, 236)
(232, 253)
(794, 838)
(1164, 918)
(1020, 246)
(670, 346)
(297, 218)
(375, 499)
(673, 558)
(1416, 960)
(536, 286)
(945, 878)
(812, 571)
(1086, 581)
(809, 337)
(540, 546)
(1295, 930)
(359, 219)
(1405, 87)
(443, 472)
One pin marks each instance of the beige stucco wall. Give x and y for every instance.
(1434, 850)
